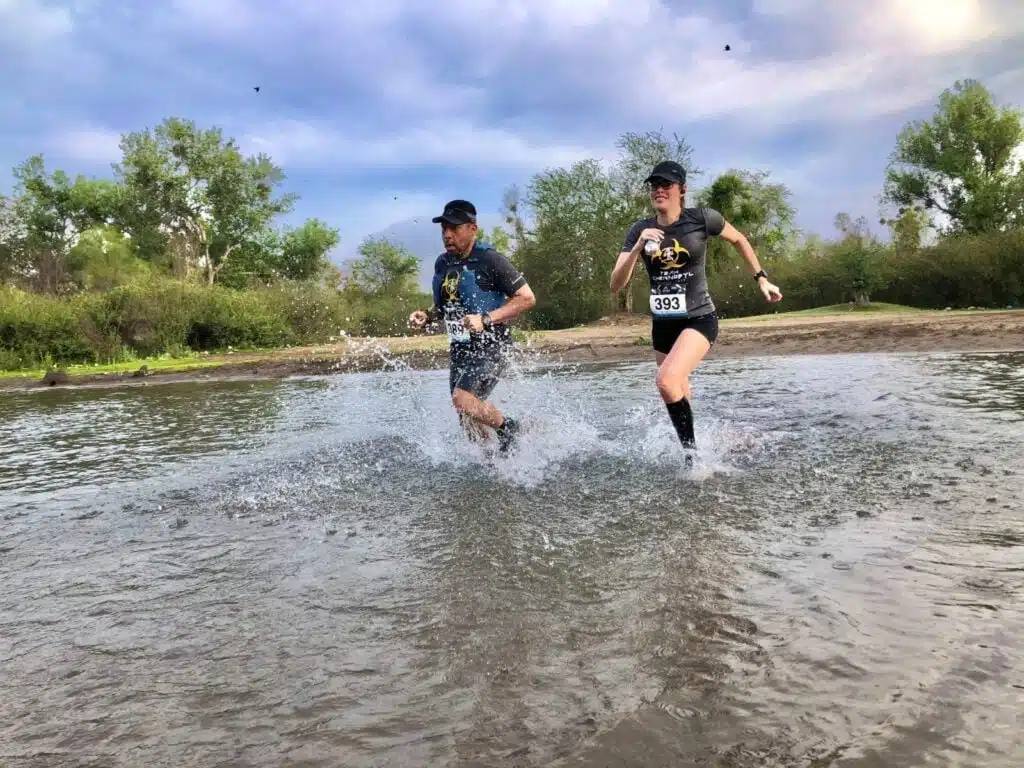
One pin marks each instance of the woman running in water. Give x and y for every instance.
(684, 323)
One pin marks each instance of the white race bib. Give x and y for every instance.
(456, 331)
(669, 304)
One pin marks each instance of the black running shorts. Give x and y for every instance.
(477, 370)
(664, 332)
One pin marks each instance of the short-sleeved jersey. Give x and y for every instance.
(680, 265)
(472, 285)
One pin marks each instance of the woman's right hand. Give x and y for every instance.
(652, 233)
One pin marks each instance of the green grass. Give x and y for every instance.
(838, 309)
(167, 364)
(841, 309)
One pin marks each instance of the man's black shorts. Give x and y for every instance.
(664, 332)
(477, 369)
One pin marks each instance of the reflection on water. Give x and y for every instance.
(322, 572)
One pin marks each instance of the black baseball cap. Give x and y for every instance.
(457, 212)
(668, 170)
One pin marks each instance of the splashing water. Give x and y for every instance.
(326, 570)
(559, 426)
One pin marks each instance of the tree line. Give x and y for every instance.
(958, 177)
(181, 249)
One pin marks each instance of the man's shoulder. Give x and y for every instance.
(488, 254)
(441, 261)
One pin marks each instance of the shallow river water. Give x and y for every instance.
(321, 572)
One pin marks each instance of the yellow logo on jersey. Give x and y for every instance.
(450, 286)
(671, 257)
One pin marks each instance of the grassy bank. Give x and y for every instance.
(152, 319)
(163, 322)
(826, 329)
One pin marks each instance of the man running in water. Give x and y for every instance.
(476, 292)
(684, 323)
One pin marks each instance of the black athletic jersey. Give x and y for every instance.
(471, 285)
(678, 274)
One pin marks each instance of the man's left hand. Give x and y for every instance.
(473, 323)
(771, 292)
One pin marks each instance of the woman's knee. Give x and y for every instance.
(672, 387)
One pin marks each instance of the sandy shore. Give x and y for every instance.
(620, 338)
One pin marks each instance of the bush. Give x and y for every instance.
(150, 315)
(313, 313)
(968, 271)
(387, 314)
(34, 330)
(154, 316)
(224, 318)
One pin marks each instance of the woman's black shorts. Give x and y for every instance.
(664, 332)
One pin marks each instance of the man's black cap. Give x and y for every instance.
(457, 212)
(668, 170)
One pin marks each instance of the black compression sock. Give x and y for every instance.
(682, 420)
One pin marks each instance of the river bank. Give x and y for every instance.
(615, 338)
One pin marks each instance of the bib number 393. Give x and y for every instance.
(668, 304)
(456, 331)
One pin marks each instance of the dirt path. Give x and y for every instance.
(619, 338)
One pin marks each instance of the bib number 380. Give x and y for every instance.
(668, 304)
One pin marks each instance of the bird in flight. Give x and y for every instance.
(256, 88)
(727, 47)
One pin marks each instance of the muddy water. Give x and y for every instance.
(322, 573)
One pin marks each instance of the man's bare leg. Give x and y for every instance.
(475, 431)
(480, 412)
(467, 403)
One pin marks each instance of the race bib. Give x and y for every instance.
(669, 304)
(456, 331)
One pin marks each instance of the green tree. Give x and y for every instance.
(577, 215)
(907, 231)
(384, 268)
(858, 259)
(103, 258)
(15, 261)
(512, 211)
(759, 209)
(254, 263)
(54, 211)
(497, 238)
(304, 250)
(961, 163)
(638, 154)
(195, 185)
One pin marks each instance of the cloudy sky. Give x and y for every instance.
(380, 110)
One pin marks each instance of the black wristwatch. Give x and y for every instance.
(485, 318)
(759, 274)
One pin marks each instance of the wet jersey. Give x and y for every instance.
(677, 270)
(472, 285)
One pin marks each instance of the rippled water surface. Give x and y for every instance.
(321, 572)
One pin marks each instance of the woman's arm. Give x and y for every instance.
(624, 266)
(739, 241)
